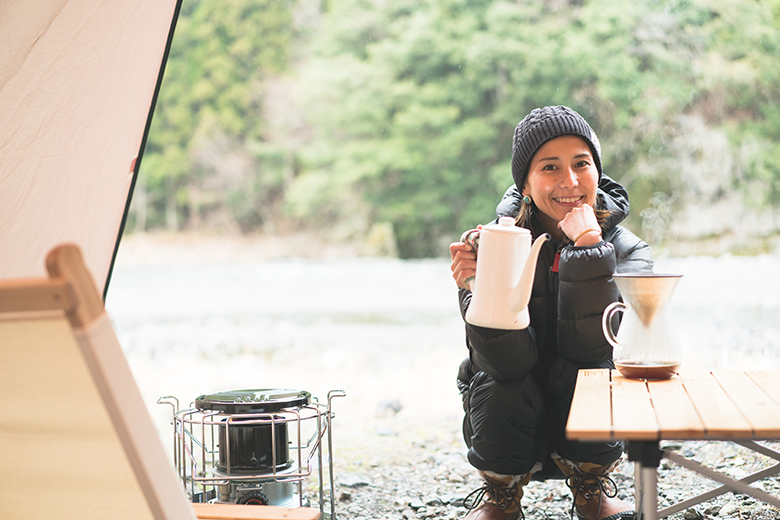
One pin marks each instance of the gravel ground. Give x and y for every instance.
(314, 328)
(396, 469)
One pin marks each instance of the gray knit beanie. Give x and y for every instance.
(541, 125)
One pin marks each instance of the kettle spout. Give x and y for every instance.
(521, 295)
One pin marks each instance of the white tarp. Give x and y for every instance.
(77, 81)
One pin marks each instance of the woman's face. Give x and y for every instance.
(562, 176)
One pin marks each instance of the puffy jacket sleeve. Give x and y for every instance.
(503, 354)
(586, 288)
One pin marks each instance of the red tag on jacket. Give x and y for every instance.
(557, 259)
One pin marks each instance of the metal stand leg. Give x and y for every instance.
(638, 492)
(649, 509)
(646, 456)
(729, 484)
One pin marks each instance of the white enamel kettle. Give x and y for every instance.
(506, 264)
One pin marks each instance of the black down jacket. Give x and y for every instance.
(517, 384)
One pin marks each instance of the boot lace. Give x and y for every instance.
(588, 485)
(500, 496)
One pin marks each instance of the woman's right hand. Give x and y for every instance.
(464, 264)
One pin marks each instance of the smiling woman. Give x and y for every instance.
(517, 385)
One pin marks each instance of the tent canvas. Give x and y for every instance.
(78, 83)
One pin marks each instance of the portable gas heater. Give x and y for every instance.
(254, 447)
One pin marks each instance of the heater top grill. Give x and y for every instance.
(267, 400)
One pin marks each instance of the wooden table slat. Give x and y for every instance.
(677, 418)
(633, 417)
(769, 382)
(695, 404)
(590, 417)
(756, 406)
(721, 418)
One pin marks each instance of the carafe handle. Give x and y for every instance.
(606, 321)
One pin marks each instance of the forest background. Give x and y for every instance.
(388, 123)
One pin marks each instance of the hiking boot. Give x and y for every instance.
(594, 492)
(501, 494)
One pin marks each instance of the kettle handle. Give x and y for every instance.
(606, 321)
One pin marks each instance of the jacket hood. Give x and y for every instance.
(611, 196)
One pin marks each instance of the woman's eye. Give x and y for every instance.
(549, 167)
(582, 164)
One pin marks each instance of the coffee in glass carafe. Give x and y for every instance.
(647, 345)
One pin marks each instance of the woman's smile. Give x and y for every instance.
(569, 201)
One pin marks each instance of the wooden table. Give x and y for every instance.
(724, 405)
(251, 512)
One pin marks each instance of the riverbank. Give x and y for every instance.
(199, 248)
(193, 247)
(206, 314)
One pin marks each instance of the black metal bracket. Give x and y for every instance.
(647, 453)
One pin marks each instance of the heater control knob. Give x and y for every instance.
(255, 497)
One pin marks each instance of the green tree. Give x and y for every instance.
(740, 88)
(207, 147)
(410, 109)
(415, 105)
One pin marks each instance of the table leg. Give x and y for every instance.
(729, 484)
(646, 456)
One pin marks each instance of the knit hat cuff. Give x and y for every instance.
(542, 125)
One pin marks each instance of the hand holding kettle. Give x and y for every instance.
(464, 259)
(503, 276)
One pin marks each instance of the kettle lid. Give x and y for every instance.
(506, 225)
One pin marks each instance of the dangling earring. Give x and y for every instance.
(524, 215)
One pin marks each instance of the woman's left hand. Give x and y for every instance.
(581, 226)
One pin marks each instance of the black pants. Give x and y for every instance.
(511, 425)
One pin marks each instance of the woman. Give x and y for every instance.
(517, 385)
